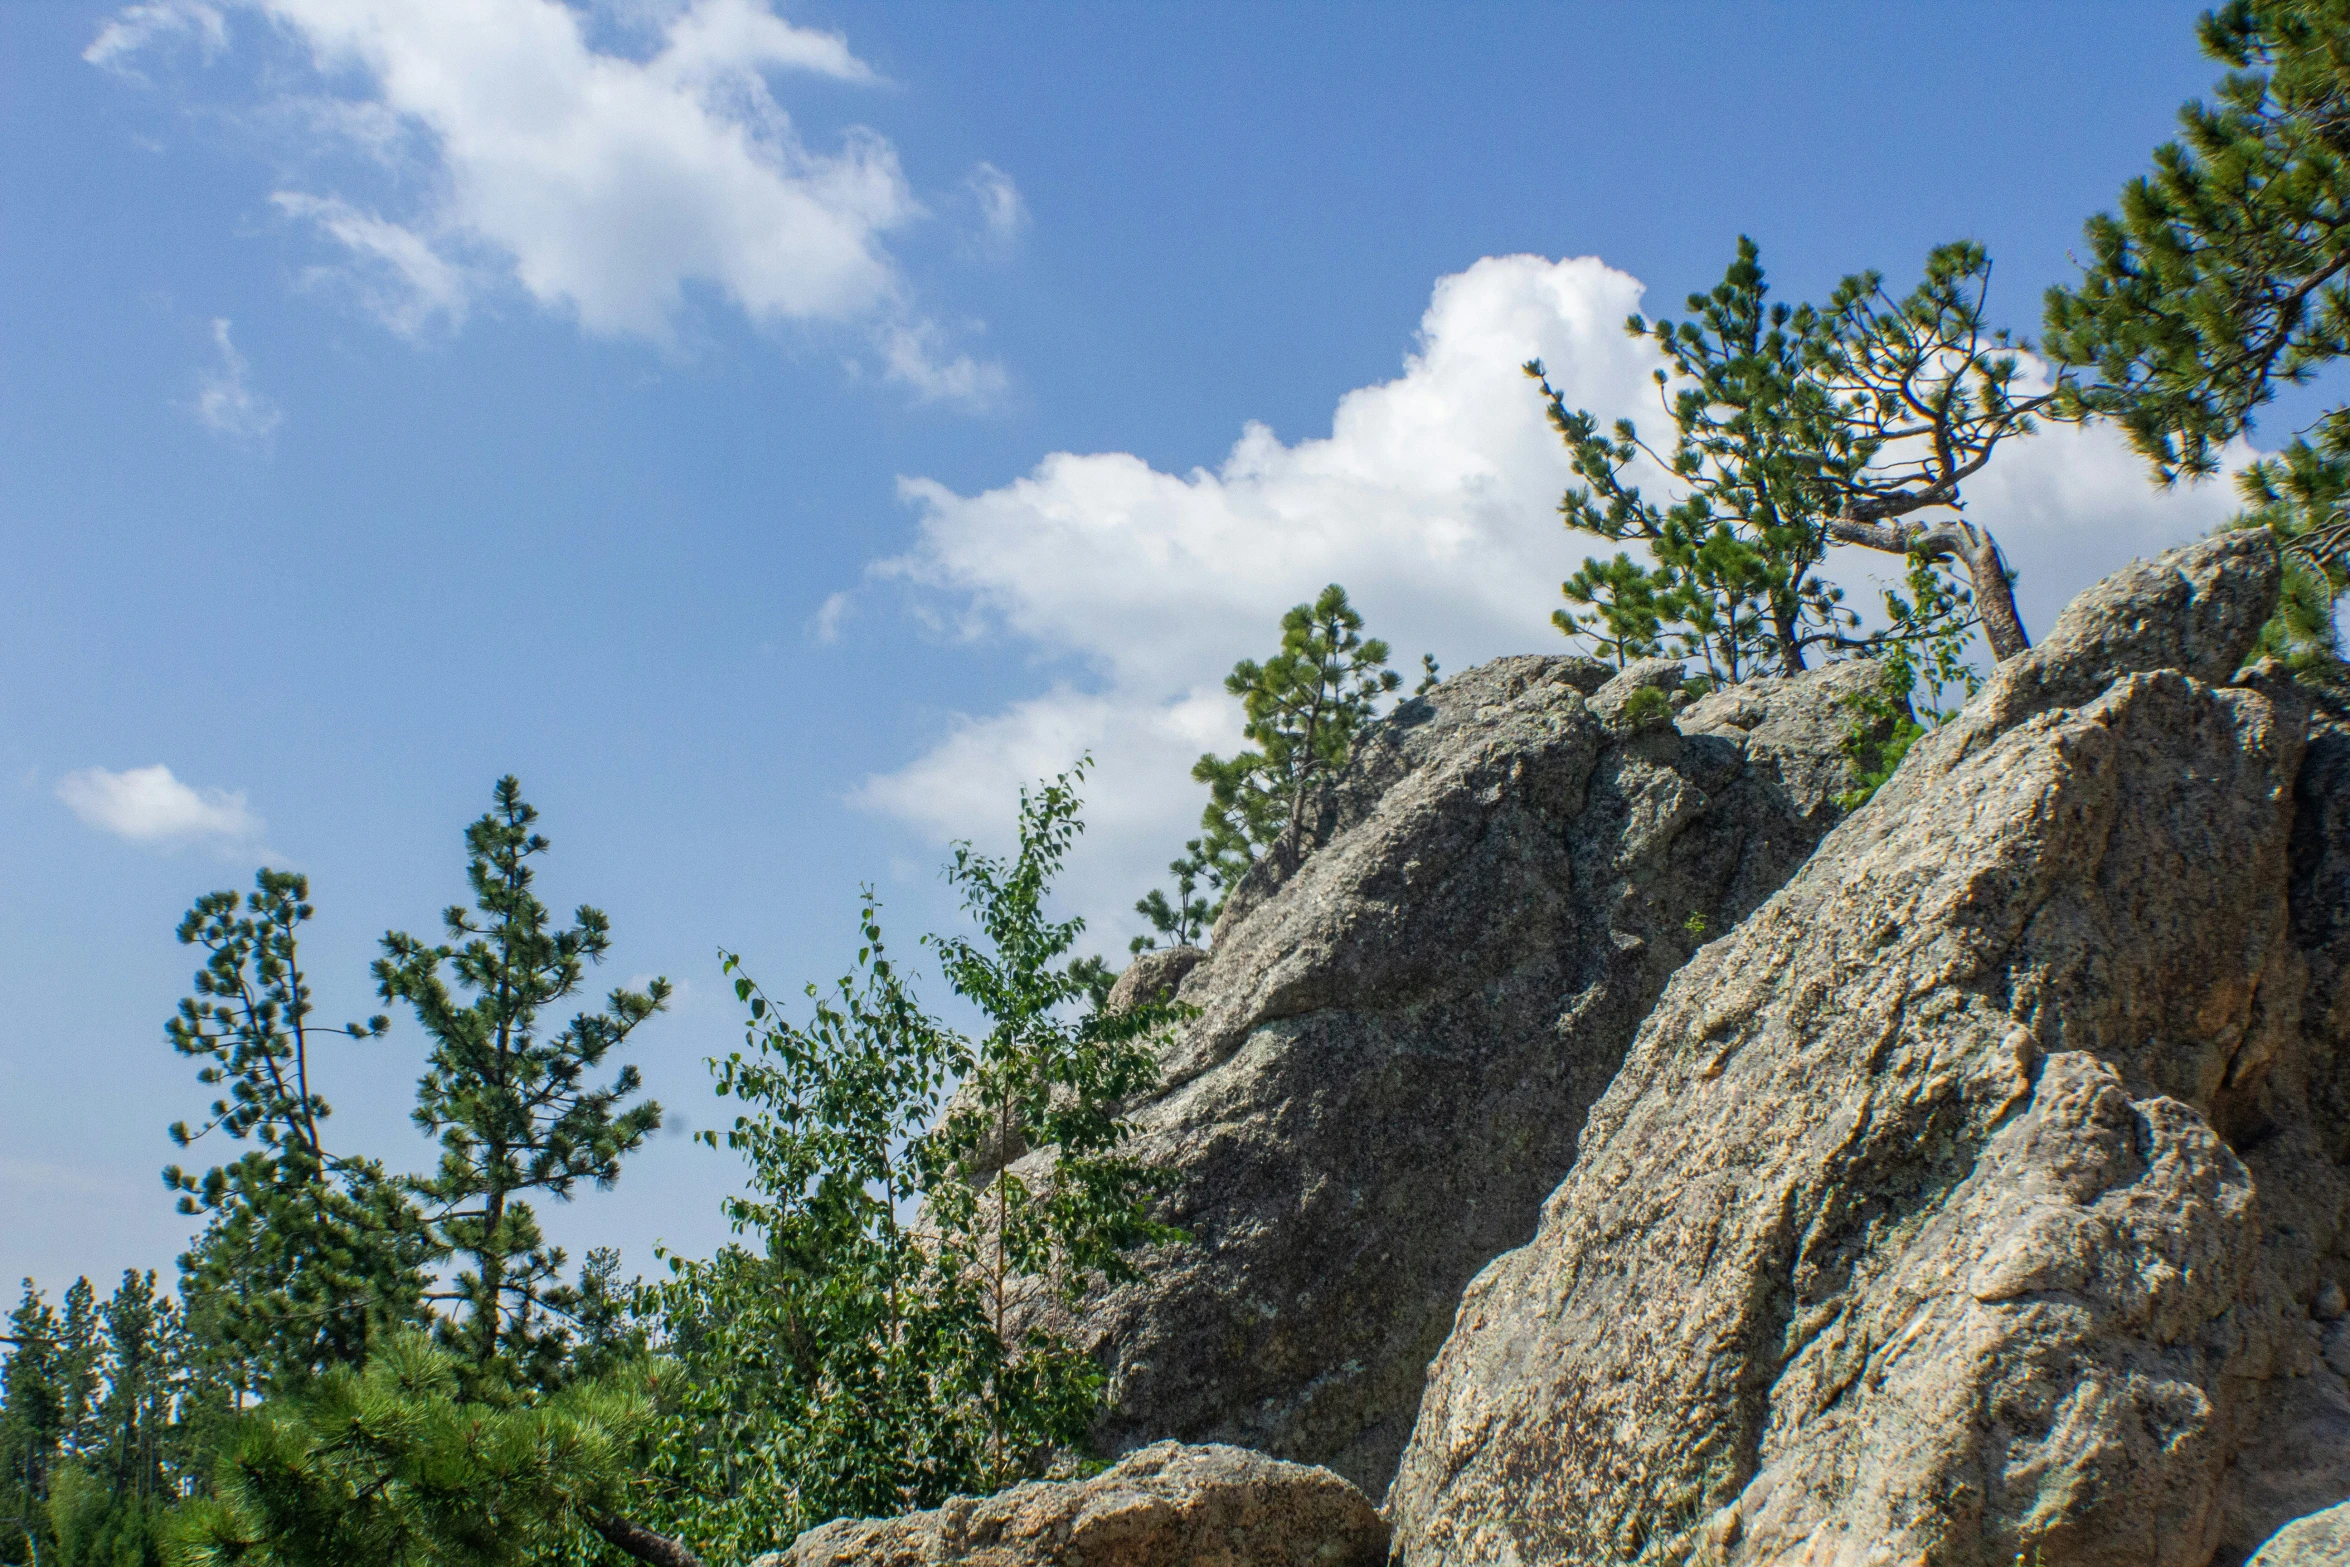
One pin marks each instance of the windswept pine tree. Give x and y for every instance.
(1794, 428)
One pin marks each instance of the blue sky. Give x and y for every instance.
(774, 432)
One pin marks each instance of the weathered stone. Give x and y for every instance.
(1153, 975)
(1979, 1194)
(1395, 1046)
(1165, 1506)
(2319, 1540)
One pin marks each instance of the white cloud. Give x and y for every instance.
(824, 626)
(1433, 499)
(226, 401)
(1003, 215)
(147, 805)
(139, 27)
(403, 281)
(912, 355)
(607, 187)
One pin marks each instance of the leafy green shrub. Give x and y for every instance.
(851, 1357)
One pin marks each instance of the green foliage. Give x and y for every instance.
(513, 1107)
(1796, 428)
(34, 1419)
(1922, 685)
(390, 1466)
(807, 1394)
(2298, 495)
(1039, 1080)
(307, 1254)
(105, 1415)
(1304, 709)
(2226, 276)
(1184, 919)
(1617, 609)
(1732, 566)
(100, 1526)
(841, 1363)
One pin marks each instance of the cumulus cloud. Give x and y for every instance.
(147, 805)
(1432, 499)
(225, 398)
(606, 186)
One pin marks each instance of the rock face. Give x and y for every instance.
(1984, 1192)
(1165, 1506)
(2320, 1540)
(1396, 1045)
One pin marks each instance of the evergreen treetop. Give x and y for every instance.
(1303, 710)
(512, 1105)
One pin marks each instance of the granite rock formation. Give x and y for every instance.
(1397, 1037)
(1985, 1192)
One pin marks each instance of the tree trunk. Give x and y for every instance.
(641, 1542)
(1972, 548)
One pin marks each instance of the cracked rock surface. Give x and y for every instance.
(1984, 1192)
(1396, 1044)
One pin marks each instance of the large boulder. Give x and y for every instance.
(1397, 1037)
(1982, 1197)
(1165, 1506)
(2320, 1540)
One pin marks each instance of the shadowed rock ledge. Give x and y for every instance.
(1396, 1044)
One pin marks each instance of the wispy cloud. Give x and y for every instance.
(609, 187)
(397, 274)
(913, 355)
(136, 28)
(824, 626)
(147, 805)
(225, 398)
(1003, 214)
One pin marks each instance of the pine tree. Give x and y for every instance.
(307, 1253)
(2227, 276)
(1733, 563)
(1796, 428)
(391, 1465)
(513, 1106)
(1303, 709)
(33, 1426)
(1184, 919)
(105, 1421)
